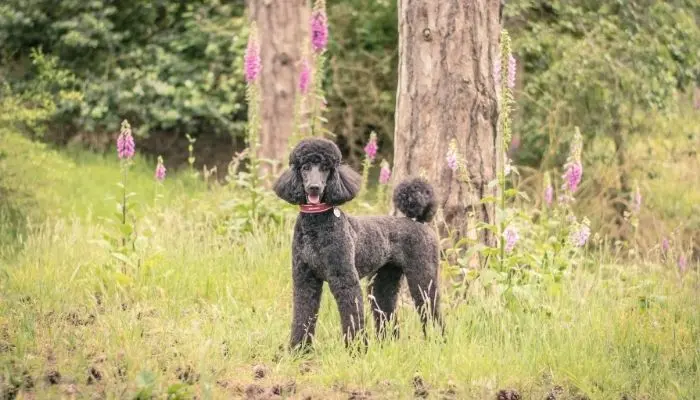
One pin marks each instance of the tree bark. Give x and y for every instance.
(283, 28)
(447, 91)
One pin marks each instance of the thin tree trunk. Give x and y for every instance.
(446, 91)
(283, 27)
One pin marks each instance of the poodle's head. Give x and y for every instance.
(316, 176)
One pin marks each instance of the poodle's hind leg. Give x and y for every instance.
(423, 284)
(384, 293)
(307, 300)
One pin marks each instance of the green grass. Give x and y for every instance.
(216, 310)
(205, 309)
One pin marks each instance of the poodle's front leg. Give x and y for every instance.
(307, 299)
(345, 286)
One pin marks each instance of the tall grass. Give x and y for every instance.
(206, 312)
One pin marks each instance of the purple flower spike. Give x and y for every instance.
(252, 58)
(125, 142)
(319, 31)
(160, 170)
(510, 235)
(511, 71)
(573, 176)
(549, 195)
(579, 238)
(371, 147)
(304, 77)
(665, 245)
(384, 173)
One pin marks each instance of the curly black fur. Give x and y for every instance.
(415, 198)
(341, 249)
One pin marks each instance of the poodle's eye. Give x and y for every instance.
(324, 168)
(305, 167)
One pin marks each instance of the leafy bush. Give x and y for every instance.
(167, 66)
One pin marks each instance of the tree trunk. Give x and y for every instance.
(283, 27)
(447, 91)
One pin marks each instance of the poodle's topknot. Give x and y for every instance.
(316, 150)
(415, 198)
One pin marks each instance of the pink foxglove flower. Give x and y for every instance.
(511, 237)
(572, 176)
(319, 30)
(371, 147)
(252, 57)
(548, 190)
(304, 77)
(384, 173)
(125, 142)
(665, 245)
(160, 170)
(548, 195)
(511, 71)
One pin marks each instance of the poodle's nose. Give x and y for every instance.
(314, 187)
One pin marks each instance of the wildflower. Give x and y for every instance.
(572, 176)
(252, 57)
(548, 195)
(160, 170)
(682, 263)
(548, 190)
(637, 200)
(510, 235)
(579, 237)
(452, 157)
(384, 173)
(304, 77)
(371, 147)
(125, 142)
(319, 30)
(665, 245)
(511, 71)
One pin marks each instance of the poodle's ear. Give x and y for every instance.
(289, 187)
(343, 186)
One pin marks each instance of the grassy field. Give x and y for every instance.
(207, 315)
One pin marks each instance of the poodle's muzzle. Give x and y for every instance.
(314, 177)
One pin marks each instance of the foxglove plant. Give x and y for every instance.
(319, 45)
(121, 240)
(159, 176)
(384, 179)
(125, 151)
(253, 67)
(573, 169)
(370, 153)
(548, 194)
(505, 82)
(510, 237)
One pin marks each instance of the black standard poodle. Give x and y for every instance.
(340, 249)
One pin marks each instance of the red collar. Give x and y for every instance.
(314, 208)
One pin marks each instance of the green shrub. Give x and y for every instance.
(165, 65)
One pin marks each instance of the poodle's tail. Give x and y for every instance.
(415, 198)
